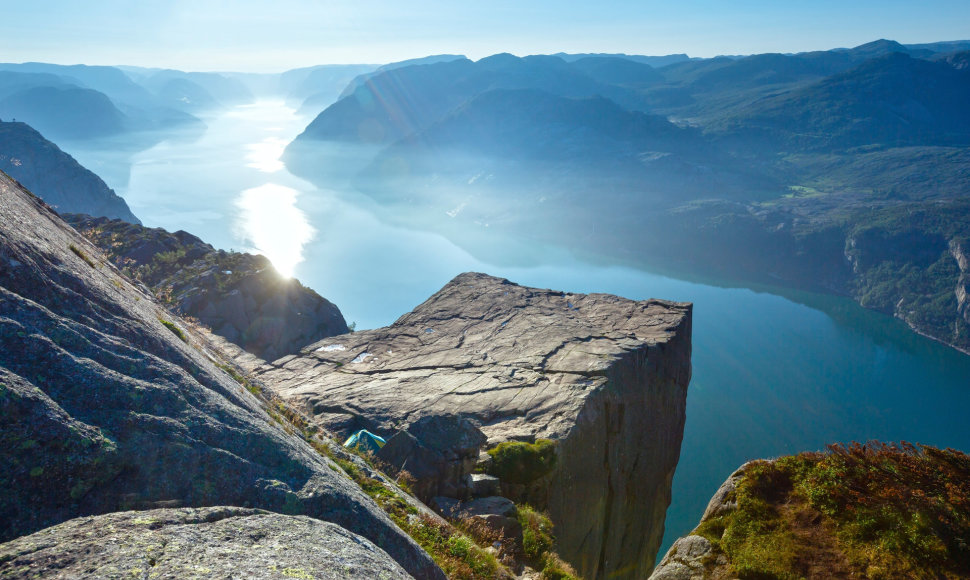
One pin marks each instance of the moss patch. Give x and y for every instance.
(522, 463)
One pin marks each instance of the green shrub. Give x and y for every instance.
(80, 254)
(175, 330)
(536, 533)
(522, 463)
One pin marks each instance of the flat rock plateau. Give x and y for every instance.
(603, 377)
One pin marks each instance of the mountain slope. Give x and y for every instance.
(109, 402)
(55, 176)
(893, 100)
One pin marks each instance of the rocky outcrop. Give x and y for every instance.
(693, 557)
(959, 252)
(239, 296)
(109, 402)
(215, 542)
(439, 452)
(603, 377)
(55, 176)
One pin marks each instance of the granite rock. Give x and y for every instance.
(604, 377)
(214, 542)
(110, 402)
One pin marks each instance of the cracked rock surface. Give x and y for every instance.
(604, 376)
(216, 542)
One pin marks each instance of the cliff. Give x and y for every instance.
(55, 176)
(604, 378)
(239, 296)
(108, 402)
(858, 512)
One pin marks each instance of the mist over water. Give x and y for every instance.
(774, 373)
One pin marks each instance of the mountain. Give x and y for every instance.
(55, 176)
(84, 102)
(431, 59)
(239, 296)
(400, 101)
(654, 61)
(127, 425)
(65, 113)
(855, 512)
(109, 403)
(772, 168)
(894, 100)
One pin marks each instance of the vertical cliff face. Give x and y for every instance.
(622, 451)
(603, 377)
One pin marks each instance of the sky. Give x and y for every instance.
(272, 36)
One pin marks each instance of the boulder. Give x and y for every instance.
(603, 377)
(214, 542)
(439, 452)
(483, 485)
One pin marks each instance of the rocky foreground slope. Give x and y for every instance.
(239, 296)
(215, 542)
(860, 512)
(601, 377)
(108, 403)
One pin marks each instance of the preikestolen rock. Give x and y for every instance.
(215, 542)
(109, 402)
(602, 376)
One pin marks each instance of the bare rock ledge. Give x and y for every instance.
(603, 376)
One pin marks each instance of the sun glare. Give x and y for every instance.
(265, 155)
(275, 226)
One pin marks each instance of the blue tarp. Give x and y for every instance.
(365, 441)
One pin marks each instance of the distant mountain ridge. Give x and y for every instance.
(773, 167)
(55, 176)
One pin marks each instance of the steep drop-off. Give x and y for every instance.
(603, 377)
(108, 402)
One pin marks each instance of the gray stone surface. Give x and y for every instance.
(103, 407)
(215, 542)
(483, 485)
(439, 452)
(686, 560)
(604, 376)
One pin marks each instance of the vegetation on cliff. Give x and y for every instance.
(239, 296)
(860, 511)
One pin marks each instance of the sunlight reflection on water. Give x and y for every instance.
(265, 155)
(274, 225)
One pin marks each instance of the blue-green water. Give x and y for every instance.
(772, 375)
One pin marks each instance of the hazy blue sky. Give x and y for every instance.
(281, 34)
